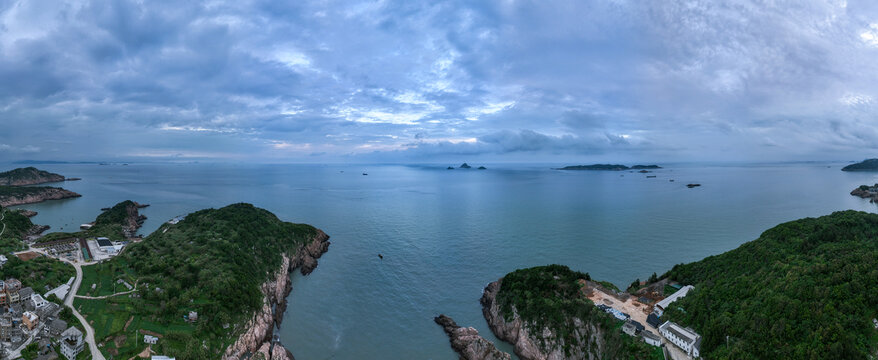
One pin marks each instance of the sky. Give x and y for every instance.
(438, 81)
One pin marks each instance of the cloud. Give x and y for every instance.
(261, 79)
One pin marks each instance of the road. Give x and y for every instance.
(68, 302)
(2, 216)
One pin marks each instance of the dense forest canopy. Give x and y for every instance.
(806, 289)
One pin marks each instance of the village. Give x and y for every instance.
(640, 316)
(42, 323)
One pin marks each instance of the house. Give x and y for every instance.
(653, 320)
(686, 338)
(3, 260)
(38, 301)
(638, 327)
(193, 316)
(6, 328)
(56, 327)
(12, 285)
(71, 342)
(661, 306)
(161, 357)
(629, 328)
(651, 338)
(4, 300)
(30, 320)
(25, 293)
(106, 245)
(149, 339)
(14, 297)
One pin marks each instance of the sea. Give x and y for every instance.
(445, 234)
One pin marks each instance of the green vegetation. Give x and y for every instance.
(614, 167)
(865, 165)
(28, 176)
(550, 297)
(17, 226)
(116, 215)
(41, 273)
(806, 289)
(213, 262)
(30, 351)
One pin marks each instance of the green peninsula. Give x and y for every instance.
(28, 176)
(865, 165)
(208, 285)
(806, 289)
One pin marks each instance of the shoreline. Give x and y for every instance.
(258, 335)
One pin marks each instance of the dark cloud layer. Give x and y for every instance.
(409, 81)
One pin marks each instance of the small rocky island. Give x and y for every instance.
(611, 167)
(29, 176)
(865, 165)
(867, 192)
(468, 343)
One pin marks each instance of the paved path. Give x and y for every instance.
(2, 216)
(90, 333)
(111, 295)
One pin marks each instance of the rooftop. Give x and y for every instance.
(674, 297)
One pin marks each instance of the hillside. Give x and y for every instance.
(28, 176)
(543, 312)
(806, 289)
(18, 195)
(215, 262)
(865, 165)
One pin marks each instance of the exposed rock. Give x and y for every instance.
(465, 166)
(867, 192)
(35, 195)
(258, 331)
(28, 213)
(468, 343)
(528, 346)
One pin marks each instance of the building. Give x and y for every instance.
(161, 357)
(71, 343)
(12, 285)
(629, 328)
(3, 260)
(38, 301)
(651, 338)
(149, 339)
(6, 328)
(106, 245)
(661, 306)
(25, 293)
(653, 320)
(57, 326)
(193, 316)
(4, 299)
(14, 297)
(30, 320)
(686, 338)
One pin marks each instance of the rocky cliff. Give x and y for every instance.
(257, 335)
(867, 192)
(468, 343)
(10, 196)
(545, 345)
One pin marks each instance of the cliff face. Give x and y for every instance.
(468, 343)
(257, 336)
(530, 347)
(867, 192)
(36, 195)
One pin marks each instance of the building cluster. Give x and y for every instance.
(27, 317)
(683, 337)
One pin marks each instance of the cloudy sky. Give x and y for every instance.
(424, 81)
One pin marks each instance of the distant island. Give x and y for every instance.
(466, 166)
(867, 192)
(13, 189)
(865, 165)
(611, 167)
(799, 281)
(29, 176)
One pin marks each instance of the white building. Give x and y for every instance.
(3, 260)
(149, 339)
(661, 306)
(686, 338)
(71, 343)
(38, 300)
(161, 357)
(651, 338)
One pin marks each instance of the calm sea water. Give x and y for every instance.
(445, 234)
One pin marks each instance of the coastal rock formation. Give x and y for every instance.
(611, 167)
(28, 176)
(28, 213)
(10, 196)
(867, 192)
(257, 336)
(468, 343)
(545, 345)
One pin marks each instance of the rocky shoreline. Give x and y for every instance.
(31, 197)
(258, 334)
(528, 346)
(867, 192)
(468, 343)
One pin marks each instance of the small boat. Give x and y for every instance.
(365, 174)
(650, 176)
